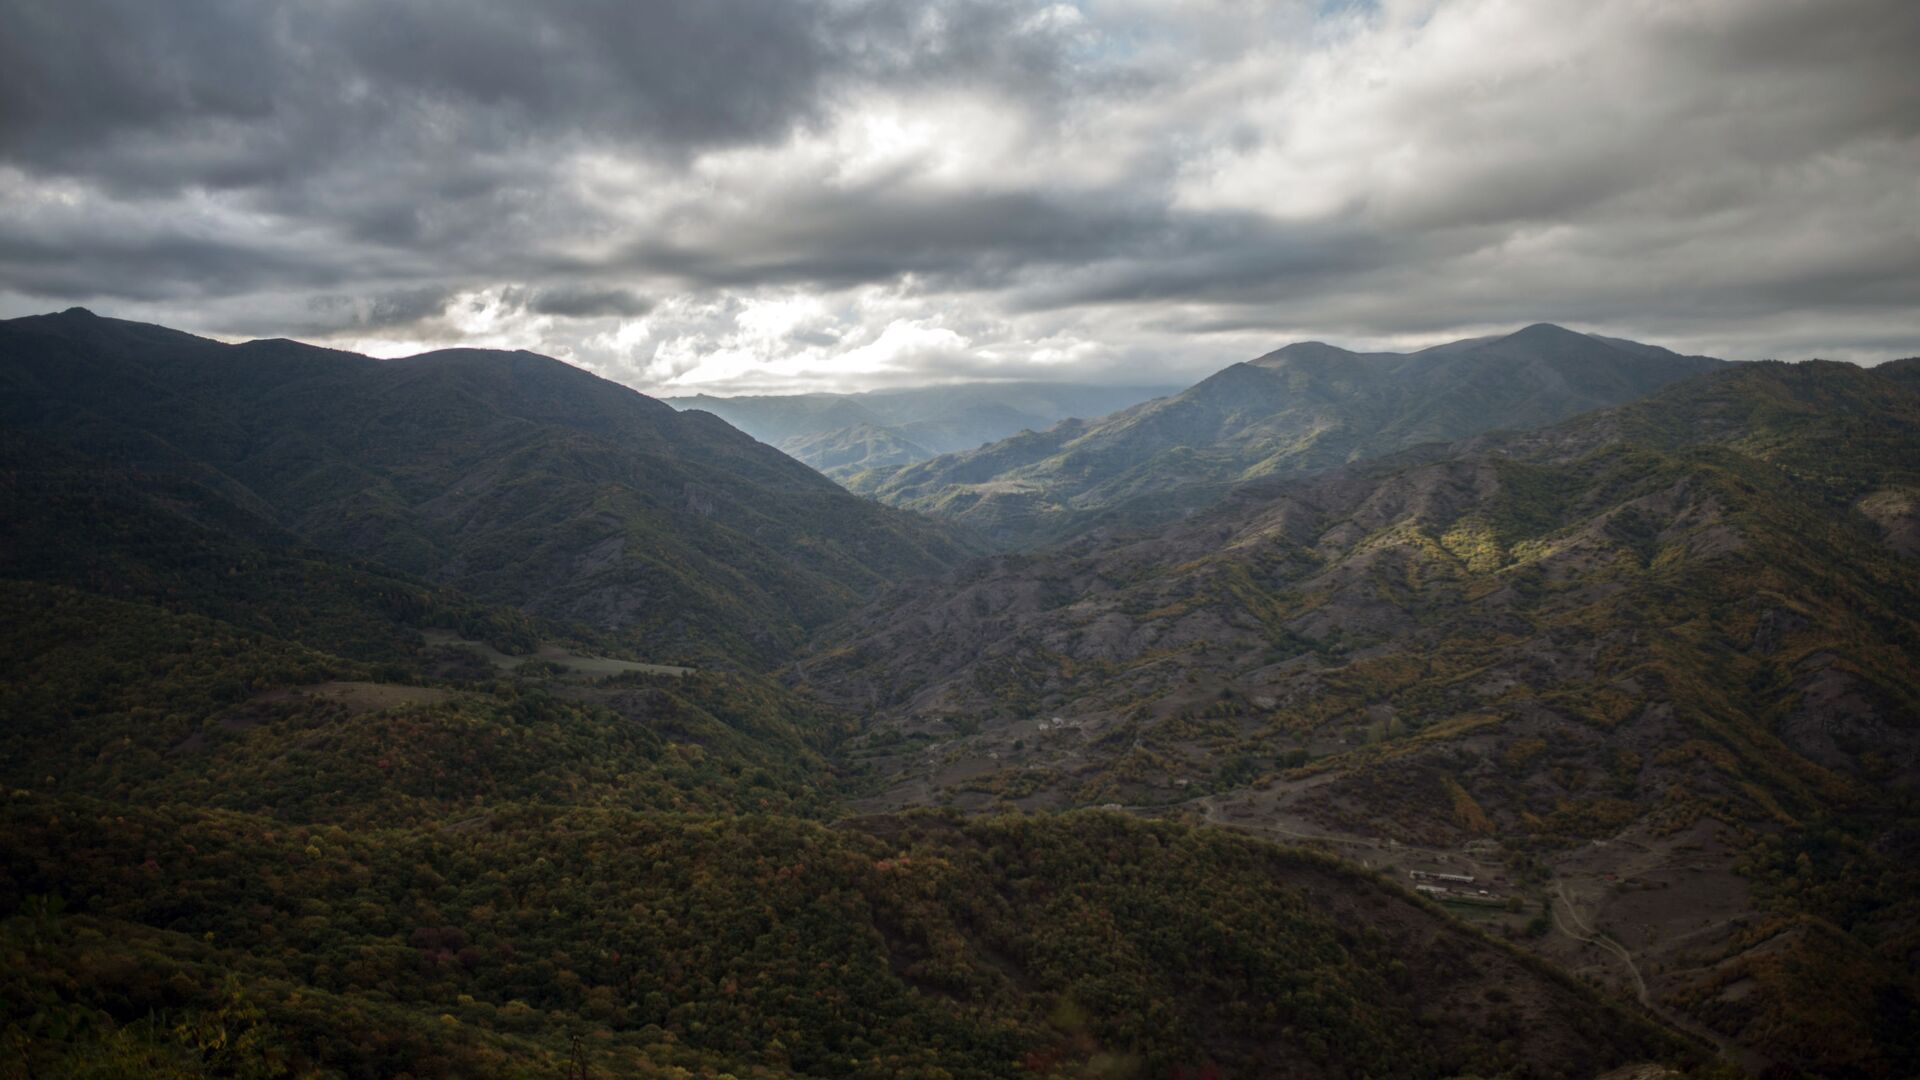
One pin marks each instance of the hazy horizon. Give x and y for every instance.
(934, 380)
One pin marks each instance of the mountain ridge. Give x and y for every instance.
(515, 477)
(1302, 407)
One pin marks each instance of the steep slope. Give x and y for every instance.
(511, 476)
(178, 541)
(1307, 406)
(1701, 607)
(846, 435)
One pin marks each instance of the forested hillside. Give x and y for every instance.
(328, 748)
(513, 477)
(225, 854)
(1304, 407)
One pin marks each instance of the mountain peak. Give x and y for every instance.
(1544, 332)
(82, 324)
(1303, 350)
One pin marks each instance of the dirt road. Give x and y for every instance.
(1591, 936)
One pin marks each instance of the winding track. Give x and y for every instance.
(1592, 936)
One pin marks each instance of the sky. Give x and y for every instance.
(735, 196)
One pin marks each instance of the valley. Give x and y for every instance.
(959, 540)
(1575, 652)
(847, 437)
(464, 714)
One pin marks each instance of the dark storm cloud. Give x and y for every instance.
(575, 302)
(967, 240)
(242, 92)
(432, 125)
(402, 307)
(1229, 257)
(160, 265)
(712, 188)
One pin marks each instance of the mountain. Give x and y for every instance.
(846, 435)
(511, 477)
(283, 798)
(777, 418)
(176, 541)
(309, 768)
(1304, 407)
(1652, 669)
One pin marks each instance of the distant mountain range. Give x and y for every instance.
(512, 477)
(847, 435)
(1307, 406)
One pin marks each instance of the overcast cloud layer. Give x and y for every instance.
(740, 195)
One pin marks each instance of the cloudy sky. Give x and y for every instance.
(764, 195)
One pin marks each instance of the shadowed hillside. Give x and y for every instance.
(223, 853)
(513, 477)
